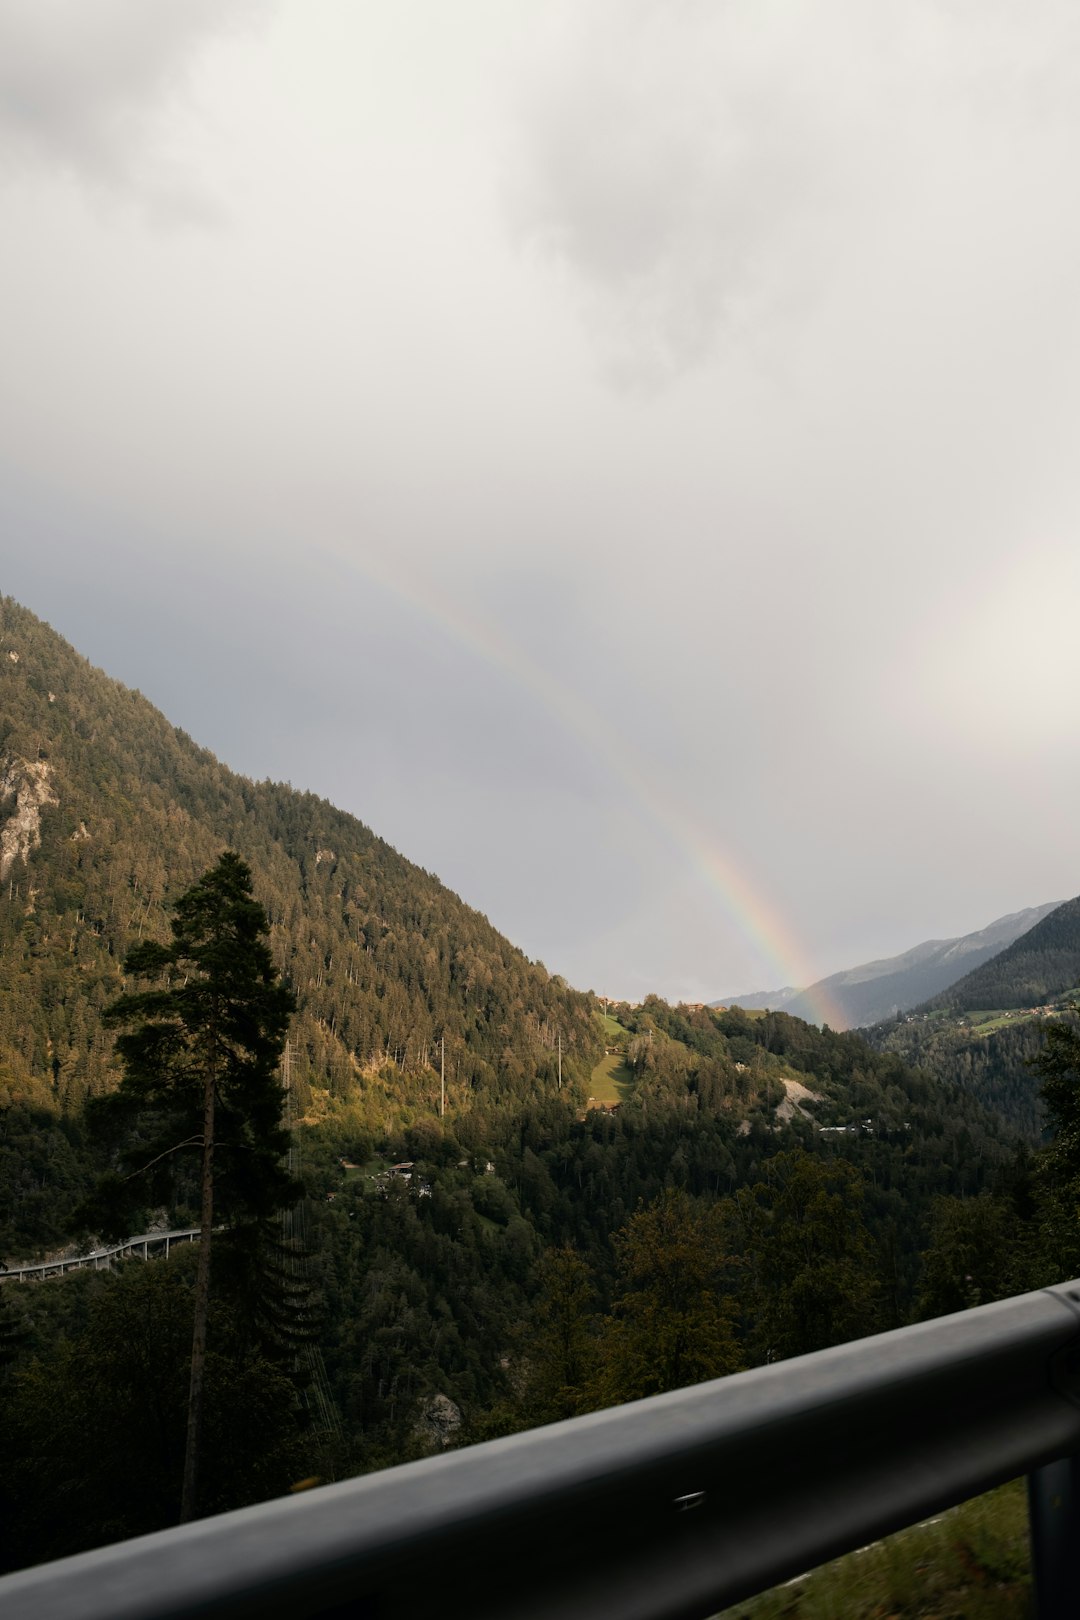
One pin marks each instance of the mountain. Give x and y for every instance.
(107, 812)
(448, 1250)
(758, 1000)
(1037, 967)
(983, 1031)
(875, 991)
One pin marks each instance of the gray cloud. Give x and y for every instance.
(703, 171)
(83, 88)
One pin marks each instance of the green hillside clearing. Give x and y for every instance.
(612, 1080)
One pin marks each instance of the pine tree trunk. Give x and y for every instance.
(202, 1304)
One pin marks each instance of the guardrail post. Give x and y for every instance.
(1054, 1505)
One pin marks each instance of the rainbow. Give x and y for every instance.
(742, 899)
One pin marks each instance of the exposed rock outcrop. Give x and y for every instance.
(440, 1419)
(30, 782)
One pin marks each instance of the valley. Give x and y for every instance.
(987, 1028)
(876, 991)
(521, 1201)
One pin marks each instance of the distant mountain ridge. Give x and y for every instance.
(984, 1030)
(1033, 969)
(874, 991)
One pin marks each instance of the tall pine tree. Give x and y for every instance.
(201, 1053)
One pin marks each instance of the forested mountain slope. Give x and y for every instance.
(508, 1262)
(1041, 964)
(983, 1032)
(991, 1062)
(107, 812)
(821, 1161)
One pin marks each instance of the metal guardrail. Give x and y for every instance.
(666, 1509)
(98, 1259)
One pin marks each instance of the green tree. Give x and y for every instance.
(969, 1259)
(561, 1349)
(1058, 1064)
(201, 1055)
(73, 1478)
(671, 1326)
(811, 1266)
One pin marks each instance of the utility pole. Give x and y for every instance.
(560, 1060)
(442, 1075)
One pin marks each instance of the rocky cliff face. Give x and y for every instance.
(30, 785)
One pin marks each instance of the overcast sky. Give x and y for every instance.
(625, 451)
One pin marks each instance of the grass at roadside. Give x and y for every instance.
(971, 1563)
